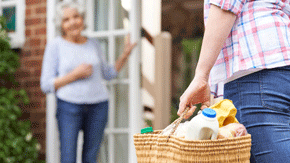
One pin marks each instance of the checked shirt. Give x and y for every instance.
(260, 38)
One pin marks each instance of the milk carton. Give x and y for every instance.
(204, 126)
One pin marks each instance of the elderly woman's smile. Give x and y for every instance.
(72, 22)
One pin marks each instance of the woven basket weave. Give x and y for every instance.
(151, 148)
(157, 148)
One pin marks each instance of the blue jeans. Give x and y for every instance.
(71, 118)
(263, 103)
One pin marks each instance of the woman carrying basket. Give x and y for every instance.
(245, 57)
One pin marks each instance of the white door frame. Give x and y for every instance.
(135, 107)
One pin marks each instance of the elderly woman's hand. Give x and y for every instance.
(197, 92)
(83, 71)
(128, 45)
(126, 52)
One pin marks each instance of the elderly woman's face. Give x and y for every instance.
(72, 22)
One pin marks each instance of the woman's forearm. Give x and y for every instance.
(219, 25)
(64, 80)
(121, 61)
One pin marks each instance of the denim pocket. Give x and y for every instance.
(275, 89)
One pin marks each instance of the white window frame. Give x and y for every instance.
(17, 37)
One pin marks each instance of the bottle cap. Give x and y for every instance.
(208, 112)
(146, 130)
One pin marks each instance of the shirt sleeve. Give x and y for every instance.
(234, 6)
(49, 69)
(108, 71)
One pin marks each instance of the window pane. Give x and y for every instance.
(121, 148)
(9, 14)
(101, 15)
(120, 42)
(104, 45)
(121, 103)
(122, 14)
(103, 152)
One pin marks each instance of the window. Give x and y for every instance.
(14, 12)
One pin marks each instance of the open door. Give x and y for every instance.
(108, 21)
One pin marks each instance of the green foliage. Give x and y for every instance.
(17, 143)
(3, 29)
(148, 122)
(9, 59)
(190, 50)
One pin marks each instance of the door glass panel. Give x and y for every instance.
(101, 15)
(121, 148)
(10, 14)
(103, 152)
(121, 102)
(104, 46)
(122, 14)
(118, 52)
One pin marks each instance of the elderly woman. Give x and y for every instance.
(73, 67)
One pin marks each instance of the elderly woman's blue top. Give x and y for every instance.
(62, 56)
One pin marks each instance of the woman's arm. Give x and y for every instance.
(219, 25)
(82, 71)
(127, 51)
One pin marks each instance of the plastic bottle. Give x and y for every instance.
(204, 126)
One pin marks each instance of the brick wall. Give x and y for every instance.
(28, 75)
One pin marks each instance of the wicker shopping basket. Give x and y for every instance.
(157, 148)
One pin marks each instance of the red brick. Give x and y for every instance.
(29, 84)
(40, 10)
(33, 21)
(31, 2)
(33, 63)
(37, 73)
(40, 31)
(34, 42)
(45, 41)
(27, 32)
(44, 21)
(36, 116)
(41, 124)
(40, 52)
(25, 53)
(28, 12)
(25, 113)
(35, 125)
(37, 95)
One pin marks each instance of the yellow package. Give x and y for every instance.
(225, 112)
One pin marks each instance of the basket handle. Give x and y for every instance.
(177, 122)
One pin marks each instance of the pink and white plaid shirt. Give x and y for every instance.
(260, 38)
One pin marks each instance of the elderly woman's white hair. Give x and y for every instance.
(59, 13)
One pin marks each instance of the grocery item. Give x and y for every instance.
(226, 112)
(181, 129)
(232, 130)
(203, 126)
